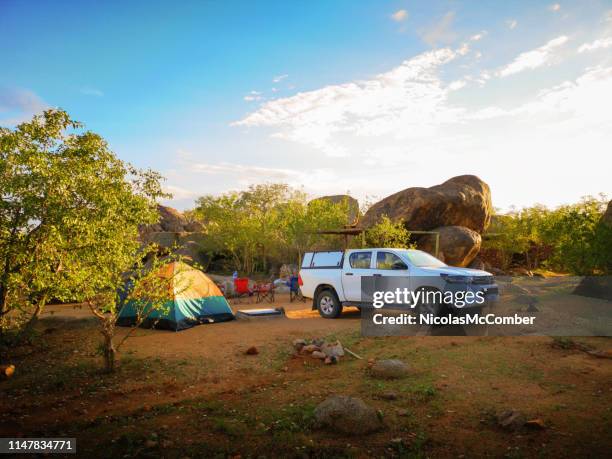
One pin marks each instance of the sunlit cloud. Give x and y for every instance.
(279, 78)
(400, 15)
(253, 96)
(595, 45)
(544, 55)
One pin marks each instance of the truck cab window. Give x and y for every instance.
(360, 260)
(388, 260)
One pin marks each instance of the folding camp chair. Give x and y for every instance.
(241, 288)
(294, 290)
(265, 292)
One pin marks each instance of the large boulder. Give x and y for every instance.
(352, 204)
(348, 415)
(171, 220)
(458, 245)
(461, 201)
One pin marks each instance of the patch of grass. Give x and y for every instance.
(290, 418)
(227, 427)
(563, 342)
(424, 391)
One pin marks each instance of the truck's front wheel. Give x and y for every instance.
(328, 304)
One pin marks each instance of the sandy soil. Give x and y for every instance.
(196, 394)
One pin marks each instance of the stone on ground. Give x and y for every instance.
(389, 369)
(348, 415)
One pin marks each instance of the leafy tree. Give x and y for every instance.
(267, 222)
(69, 217)
(387, 233)
(571, 238)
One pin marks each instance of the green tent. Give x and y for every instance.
(195, 299)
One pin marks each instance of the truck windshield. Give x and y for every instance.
(422, 259)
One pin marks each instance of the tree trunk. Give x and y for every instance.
(110, 354)
(27, 329)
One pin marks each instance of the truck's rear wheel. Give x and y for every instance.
(328, 305)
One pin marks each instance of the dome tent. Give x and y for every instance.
(195, 299)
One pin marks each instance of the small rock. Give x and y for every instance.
(310, 348)
(388, 396)
(298, 344)
(318, 342)
(535, 424)
(403, 412)
(252, 351)
(333, 349)
(348, 415)
(318, 355)
(511, 419)
(331, 360)
(389, 369)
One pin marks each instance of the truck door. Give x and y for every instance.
(390, 272)
(359, 263)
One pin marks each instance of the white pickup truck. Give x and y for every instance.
(334, 279)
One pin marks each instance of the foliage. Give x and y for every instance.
(571, 238)
(268, 222)
(387, 233)
(69, 217)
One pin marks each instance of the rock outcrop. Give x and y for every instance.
(461, 201)
(458, 245)
(170, 221)
(174, 230)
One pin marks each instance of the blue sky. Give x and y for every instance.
(333, 96)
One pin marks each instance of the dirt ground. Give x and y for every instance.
(196, 393)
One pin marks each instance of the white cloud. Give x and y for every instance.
(400, 15)
(88, 91)
(478, 36)
(408, 101)
(555, 7)
(253, 96)
(456, 85)
(242, 170)
(511, 23)
(597, 44)
(279, 78)
(463, 49)
(18, 105)
(538, 57)
(441, 31)
(178, 192)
